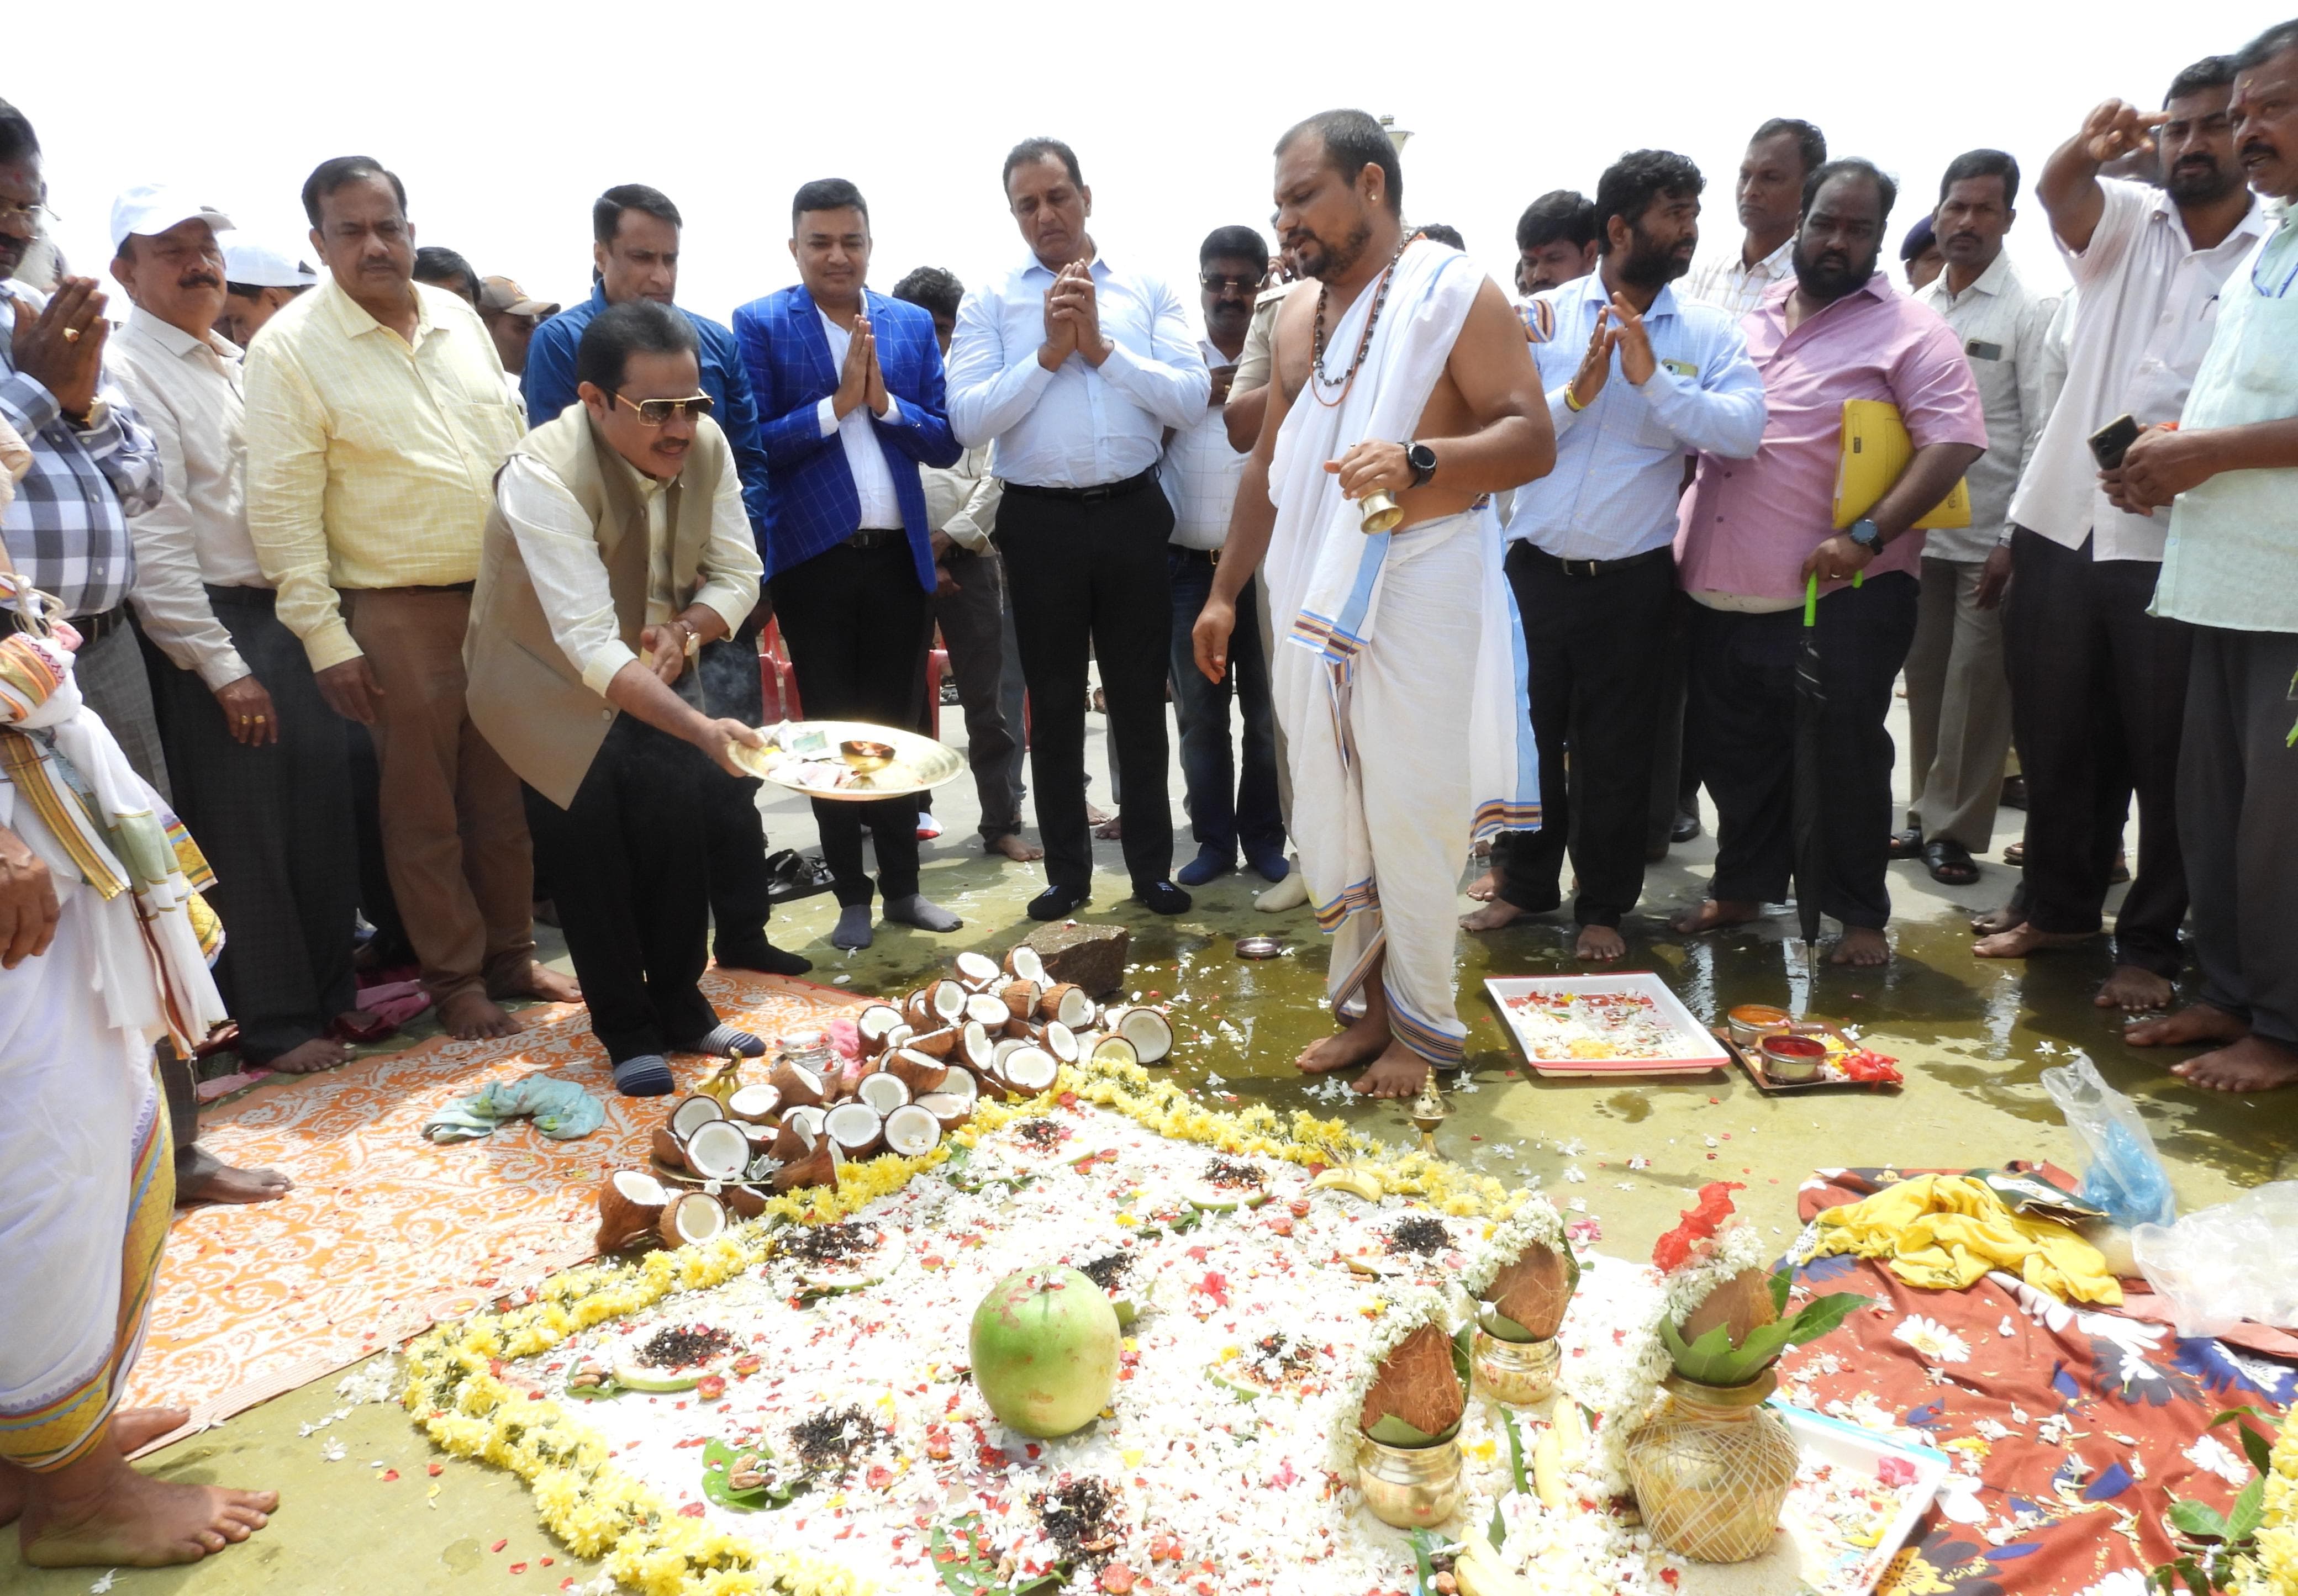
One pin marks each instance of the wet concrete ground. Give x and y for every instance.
(1972, 1037)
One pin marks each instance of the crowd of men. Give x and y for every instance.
(421, 602)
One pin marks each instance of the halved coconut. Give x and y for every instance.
(949, 1110)
(962, 1084)
(756, 1104)
(856, 1129)
(762, 1137)
(817, 1168)
(748, 1202)
(988, 1008)
(1030, 1069)
(981, 1047)
(1020, 1030)
(718, 1150)
(977, 970)
(691, 1112)
(1114, 1049)
(1060, 1042)
(1068, 1004)
(630, 1202)
(876, 1020)
(949, 1000)
(898, 1037)
(1020, 997)
(798, 1085)
(885, 1091)
(986, 1083)
(1021, 960)
(808, 1118)
(1150, 1032)
(1224, 1199)
(668, 1150)
(696, 1216)
(934, 1044)
(918, 1073)
(918, 1010)
(1002, 1050)
(793, 1141)
(912, 1131)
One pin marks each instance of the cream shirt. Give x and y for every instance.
(2006, 334)
(961, 499)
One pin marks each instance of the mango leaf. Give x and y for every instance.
(2248, 1512)
(1782, 1283)
(1500, 1327)
(1392, 1431)
(2258, 1448)
(1714, 1361)
(1463, 1366)
(2198, 1519)
(1515, 1456)
(1497, 1534)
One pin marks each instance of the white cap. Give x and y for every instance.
(151, 208)
(253, 265)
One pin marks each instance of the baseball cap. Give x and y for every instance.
(150, 209)
(500, 293)
(1919, 237)
(259, 265)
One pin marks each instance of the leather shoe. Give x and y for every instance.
(1058, 902)
(1161, 897)
(1202, 868)
(1686, 828)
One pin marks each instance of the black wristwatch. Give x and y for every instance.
(1423, 461)
(1866, 534)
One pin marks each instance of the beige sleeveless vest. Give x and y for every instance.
(525, 695)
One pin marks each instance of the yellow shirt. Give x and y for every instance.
(370, 462)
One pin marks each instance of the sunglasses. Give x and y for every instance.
(655, 412)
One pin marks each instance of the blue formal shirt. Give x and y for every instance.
(1078, 427)
(549, 384)
(1619, 462)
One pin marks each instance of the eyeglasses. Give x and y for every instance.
(655, 412)
(1215, 281)
(29, 215)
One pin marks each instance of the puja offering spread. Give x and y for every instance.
(1604, 1024)
(1798, 1055)
(850, 759)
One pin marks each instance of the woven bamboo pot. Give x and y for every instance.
(1712, 1467)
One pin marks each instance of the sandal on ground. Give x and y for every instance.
(2015, 855)
(1907, 844)
(791, 875)
(1949, 863)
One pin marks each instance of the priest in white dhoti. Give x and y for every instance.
(1398, 677)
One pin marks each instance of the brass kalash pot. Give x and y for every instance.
(1712, 1467)
(1409, 1487)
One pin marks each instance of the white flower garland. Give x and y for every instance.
(1534, 1220)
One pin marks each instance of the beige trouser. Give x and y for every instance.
(453, 822)
(1958, 708)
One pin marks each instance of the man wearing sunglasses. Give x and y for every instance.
(616, 548)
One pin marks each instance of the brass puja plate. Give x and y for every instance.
(1258, 947)
(849, 760)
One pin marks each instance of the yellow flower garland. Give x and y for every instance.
(2274, 1570)
(455, 1390)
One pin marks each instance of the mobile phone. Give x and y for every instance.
(2111, 441)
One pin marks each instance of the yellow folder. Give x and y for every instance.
(1876, 448)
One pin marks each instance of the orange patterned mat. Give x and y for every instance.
(386, 1233)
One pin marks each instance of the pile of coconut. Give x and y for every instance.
(906, 1075)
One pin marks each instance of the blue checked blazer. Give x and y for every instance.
(813, 506)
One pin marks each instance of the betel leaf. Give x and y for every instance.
(2198, 1519)
(1390, 1430)
(779, 1491)
(2248, 1512)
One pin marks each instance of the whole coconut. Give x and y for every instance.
(1045, 1345)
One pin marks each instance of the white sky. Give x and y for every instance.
(506, 120)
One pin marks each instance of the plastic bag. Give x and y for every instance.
(2214, 1266)
(2126, 1176)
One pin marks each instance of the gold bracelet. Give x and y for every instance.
(1572, 400)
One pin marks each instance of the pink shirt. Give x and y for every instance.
(1747, 525)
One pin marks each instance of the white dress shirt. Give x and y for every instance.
(187, 389)
(1200, 472)
(873, 484)
(2149, 301)
(1079, 426)
(1728, 283)
(558, 542)
(961, 499)
(2007, 333)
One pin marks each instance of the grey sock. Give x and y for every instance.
(853, 930)
(917, 910)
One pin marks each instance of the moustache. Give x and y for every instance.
(2257, 149)
(199, 280)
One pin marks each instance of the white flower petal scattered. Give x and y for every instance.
(1931, 1339)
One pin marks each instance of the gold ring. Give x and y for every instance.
(71, 334)
(260, 719)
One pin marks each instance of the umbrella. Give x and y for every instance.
(1810, 845)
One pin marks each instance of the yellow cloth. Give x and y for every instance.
(1944, 1232)
(370, 461)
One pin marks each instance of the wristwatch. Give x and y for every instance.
(1867, 535)
(1423, 461)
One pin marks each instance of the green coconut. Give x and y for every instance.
(1044, 1345)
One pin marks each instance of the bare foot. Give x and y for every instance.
(1996, 921)
(1714, 914)
(222, 1182)
(1861, 945)
(2253, 1064)
(101, 1513)
(470, 1015)
(1599, 944)
(2022, 940)
(540, 982)
(132, 1428)
(2195, 1023)
(1398, 1072)
(1493, 916)
(1111, 830)
(2132, 988)
(1362, 1042)
(1013, 848)
(319, 1053)
(1095, 815)
(1485, 887)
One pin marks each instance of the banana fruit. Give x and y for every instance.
(1562, 1447)
(1479, 1571)
(1348, 1178)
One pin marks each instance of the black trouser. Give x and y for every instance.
(630, 868)
(1595, 652)
(1092, 575)
(1675, 774)
(732, 830)
(973, 622)
(1743, 705)
(275, 822)
(857, 624)
(2238, 825)
(2098, 688)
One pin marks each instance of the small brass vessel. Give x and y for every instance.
(1712, 1469)
(1380, 511)
(866, 757)
(1518, 1373)
(1409, 1487)
(1428, 1112)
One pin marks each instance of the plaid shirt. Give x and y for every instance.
(68, 529)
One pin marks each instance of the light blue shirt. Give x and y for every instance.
(1619, 462)
(1077, 426)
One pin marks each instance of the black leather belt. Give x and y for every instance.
(1087, 496)
(876, 537)
(95, 628)
(1211, 556)
(1665, 551)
